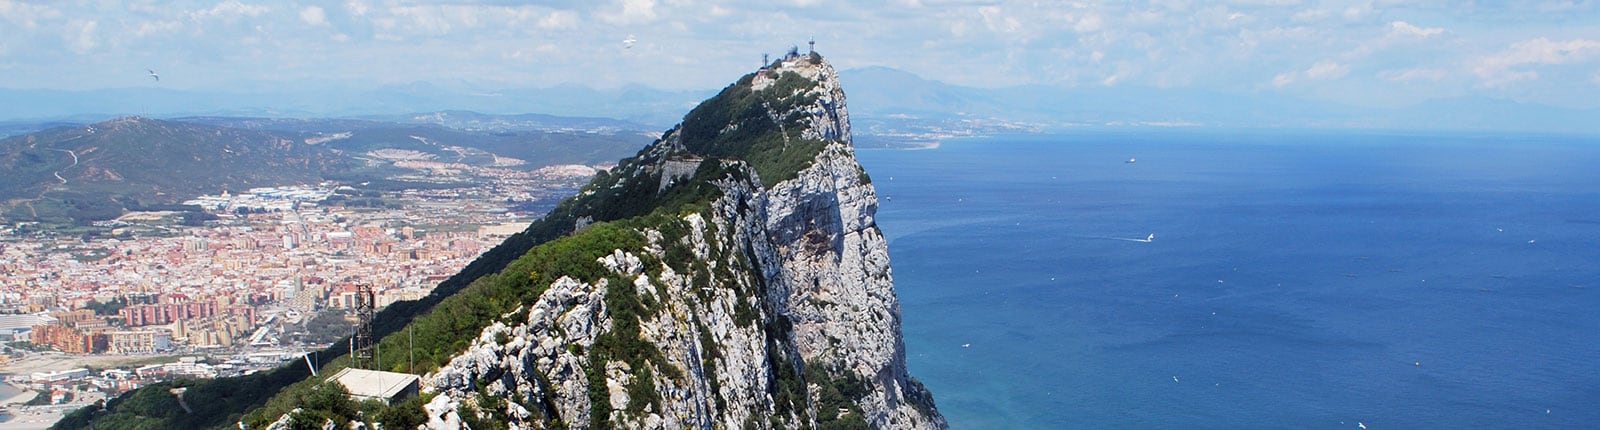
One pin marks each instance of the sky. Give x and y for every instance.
(1360, 53)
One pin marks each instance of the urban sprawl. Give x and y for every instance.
(236, 294)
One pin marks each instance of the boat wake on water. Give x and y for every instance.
(1147, 239)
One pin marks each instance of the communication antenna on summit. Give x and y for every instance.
(361, 344)
(764, 61)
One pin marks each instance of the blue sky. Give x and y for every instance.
(1364, 53)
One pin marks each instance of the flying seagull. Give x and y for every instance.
(154, 75)
(628, 43)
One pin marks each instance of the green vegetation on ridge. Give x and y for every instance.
(742, 123)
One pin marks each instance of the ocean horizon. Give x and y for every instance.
(1294, 280)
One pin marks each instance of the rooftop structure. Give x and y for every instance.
(372, 384)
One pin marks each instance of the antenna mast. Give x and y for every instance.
(361, 344)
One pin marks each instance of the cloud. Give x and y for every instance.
(438, 20)
(150, 28)
(1310, 15)
(1359, 11)
(1088, 24)
(1284, 78)
(1327, 70)
(229, 10)
(997, 21)
(1236, 45)
(1322, 70)
(559, 19)
(1414, 74)
(80, 35)
(314, 15)
(633, 12)
(25, 14)
(1124, 71)
(1517, 63)
(1406, 29)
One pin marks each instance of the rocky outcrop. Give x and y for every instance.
(772, 305)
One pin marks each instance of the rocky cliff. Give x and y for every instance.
(728, 276)
(770, 304)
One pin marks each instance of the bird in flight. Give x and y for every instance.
(154, 75)
(628, 43)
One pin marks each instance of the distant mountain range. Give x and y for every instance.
(886, 102)
(96, 171)
(81, 173)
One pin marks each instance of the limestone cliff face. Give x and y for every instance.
(769, 303)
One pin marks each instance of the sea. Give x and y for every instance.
(1295, 280)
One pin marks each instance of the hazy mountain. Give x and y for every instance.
(91, 172)
(96, 171)
(539, 140)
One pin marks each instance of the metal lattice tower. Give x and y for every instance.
(361, 344)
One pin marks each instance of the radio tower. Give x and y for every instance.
(361, 344)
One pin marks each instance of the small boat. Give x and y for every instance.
(1131, 160)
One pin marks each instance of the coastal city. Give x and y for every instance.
(268, 275)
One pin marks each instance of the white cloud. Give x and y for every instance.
(80, 35)
(228, 10)
(1322, 70)
(1413, 74)
(1310, 15)
(1284, 78)
(633, 12)
(25, 14)
(1124, 70)
(314, 15)
(1515, 64)
(997, 21)
(1088, 24)
(431, 20)
(559, 19)
(150, 28)
(1407, 29)
(1359, 11)
(1327, 70)
(1235, 45)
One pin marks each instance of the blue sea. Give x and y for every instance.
(1297, 280)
